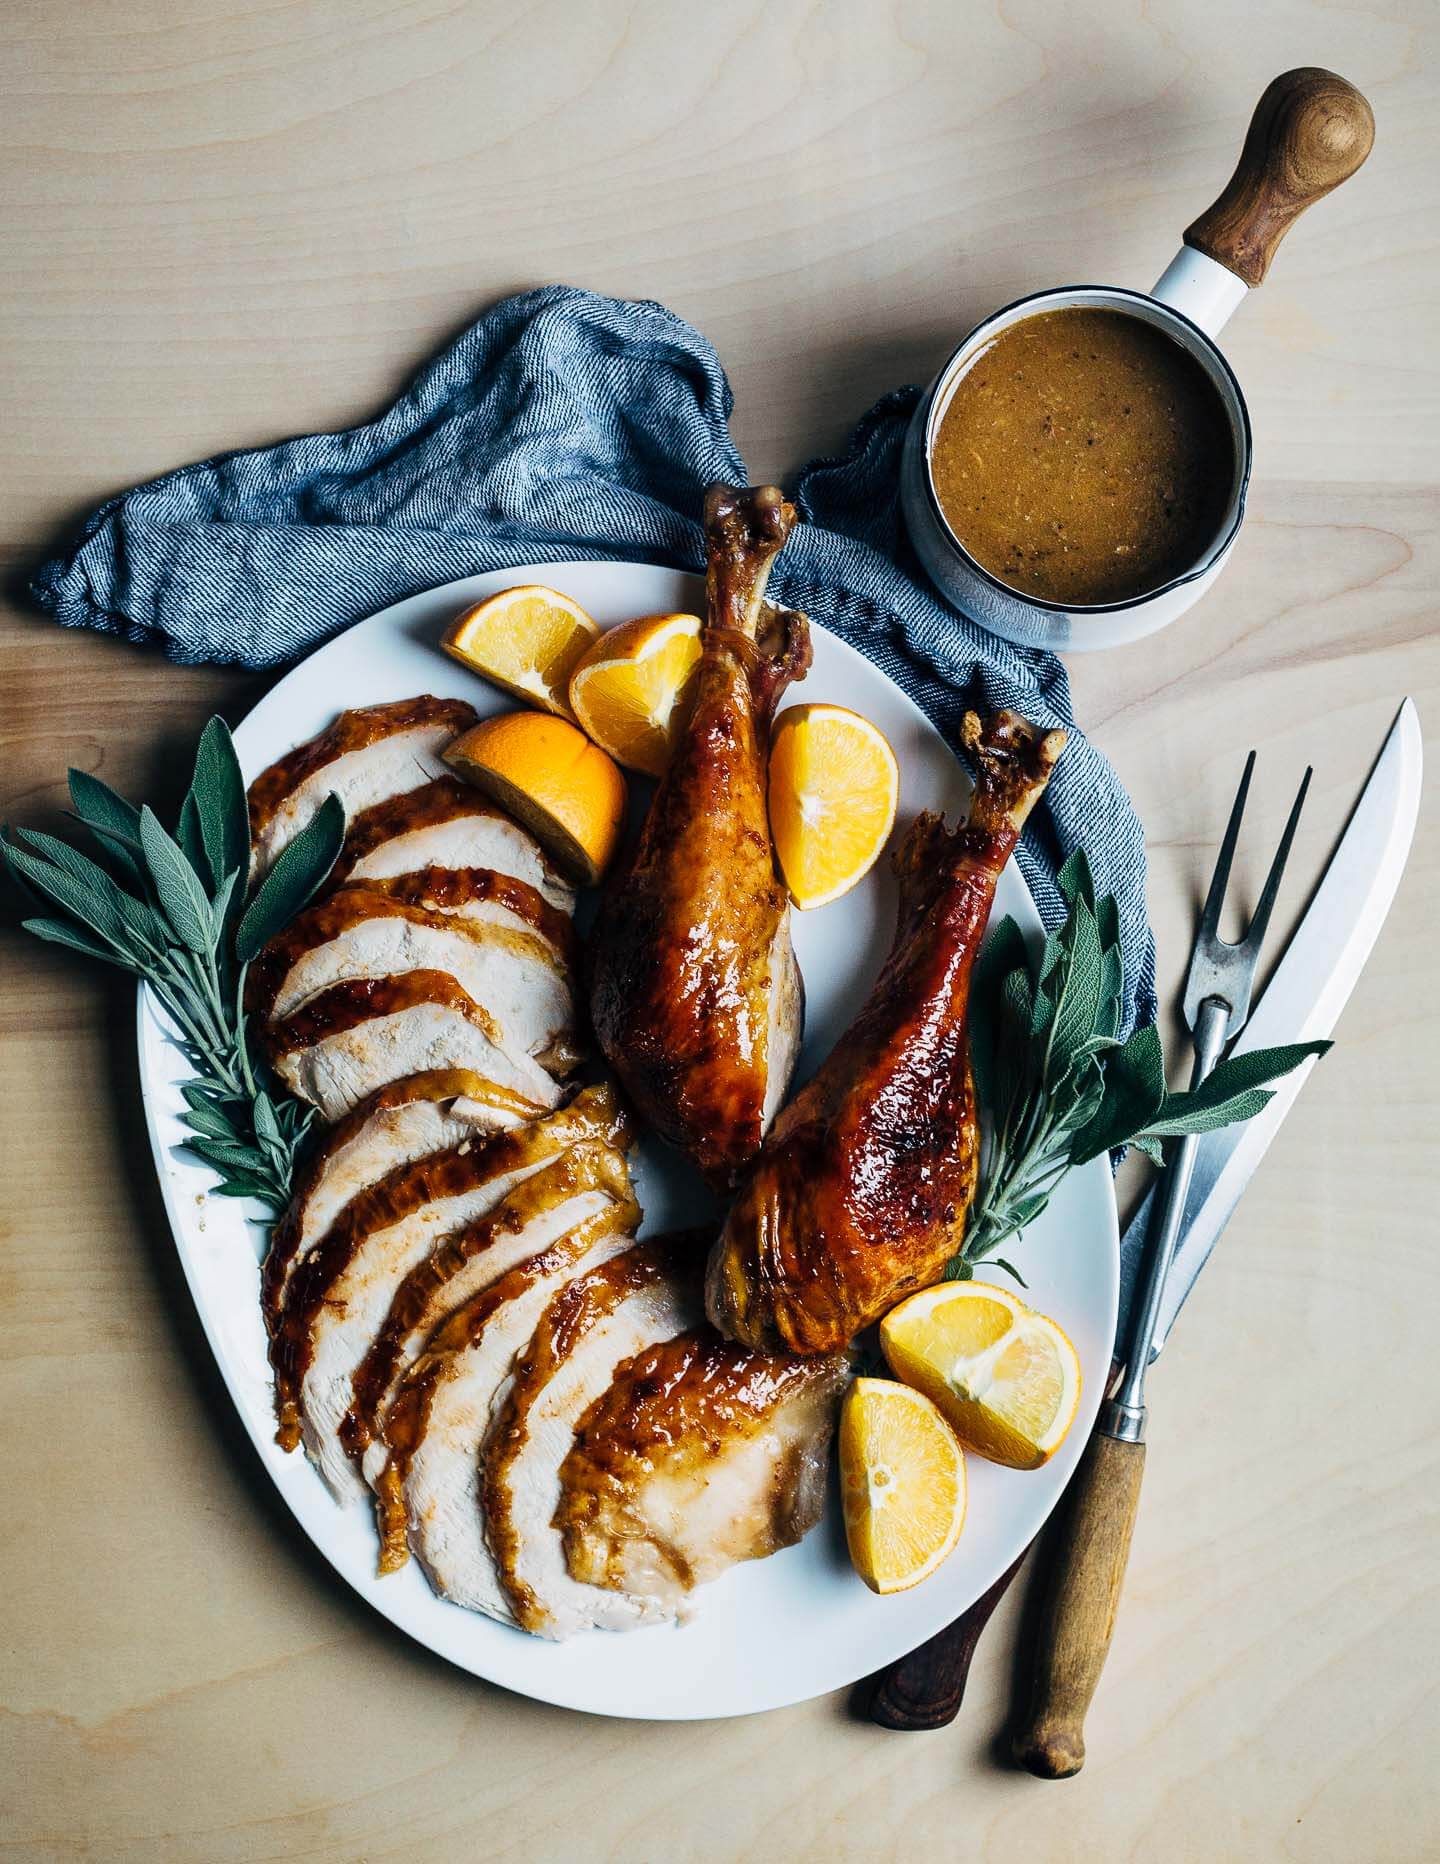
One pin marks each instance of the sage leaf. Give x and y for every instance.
(1002, 952)
(74, 882)
(177, 886)
(190, 841)
(1240, 1073)
(208, 1121)
(61, 932)
(1206, 1119)
(1134, 1095)
(267, 1127)
(1076, 881)
(293, 881)
(111, 818)
(1079, 999)
(229, 1153)
(1012, 1051)
(250, 1187)
(217, 797)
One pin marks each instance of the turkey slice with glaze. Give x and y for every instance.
(700, 1454)
(447, 824)
(594, 1325)
(466, 1262)
(358, 1036)
(369, 754)
(412, 1118)
(355, 933)
(340, 1294)
(438, 1423)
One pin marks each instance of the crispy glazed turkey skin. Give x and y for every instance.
(696, 995)
(861, 1192)
(702, 1453)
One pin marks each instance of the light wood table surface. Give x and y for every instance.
(227, 223)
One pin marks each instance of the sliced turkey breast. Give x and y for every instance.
(382, 1233)
(368, 754)
(437, 1425)
(447, 824)
(702, 1453)
(534, 1208)
(590, 1329)
(481, 895)
(410, 1119)
(355, 933)
(470, 1259)
(358, 1036)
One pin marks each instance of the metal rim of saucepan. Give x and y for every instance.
(1207, 350)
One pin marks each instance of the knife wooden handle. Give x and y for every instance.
(925, 1689)
(1088, 1547)
(1310, 131)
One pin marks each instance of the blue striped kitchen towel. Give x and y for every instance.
(564, 424)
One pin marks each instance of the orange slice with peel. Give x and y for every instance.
(902, 1484)
(834, 789)
(527, 639)
(553, 780)
(1006, 1378)
(628, 690)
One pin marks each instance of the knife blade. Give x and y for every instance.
(1302, 1002)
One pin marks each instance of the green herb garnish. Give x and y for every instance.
(1058, 1083)
(171, 910)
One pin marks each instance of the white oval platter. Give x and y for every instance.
(775, 1631)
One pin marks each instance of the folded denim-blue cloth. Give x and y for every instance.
(563, 424)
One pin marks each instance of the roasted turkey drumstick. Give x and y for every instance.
(696, 996)
(861, 1191)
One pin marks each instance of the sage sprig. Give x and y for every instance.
(171, 909)
(1059, 1085)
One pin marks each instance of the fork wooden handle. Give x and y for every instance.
(925, 1689)
(1088, 1546)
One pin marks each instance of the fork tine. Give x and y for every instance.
(1255, 932)
(1220, 880)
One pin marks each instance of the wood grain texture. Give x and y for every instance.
(226, 223)
(1311, 130)
(1087, 1552)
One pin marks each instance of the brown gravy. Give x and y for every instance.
(1084, 458)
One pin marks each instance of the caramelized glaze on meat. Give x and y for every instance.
(457, 1268)
(446, 823)
(702, 1453)
(409, 1115)
(369, 753)
(862, 1190)
(418, 1191)
(696, 997)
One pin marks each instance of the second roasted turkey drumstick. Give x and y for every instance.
(861, 1192)
(696, 996)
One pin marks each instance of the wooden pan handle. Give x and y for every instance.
(1090, 1544)
(925, 1689)
(1310, 131)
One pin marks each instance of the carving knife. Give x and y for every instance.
(1303, 1000)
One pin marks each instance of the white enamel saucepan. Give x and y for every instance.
(1311, 131)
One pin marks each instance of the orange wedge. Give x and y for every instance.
(550, 777)
(834, 788)
(527, 640)
(628, 690)
(1006, 1378)
(902, 1484)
